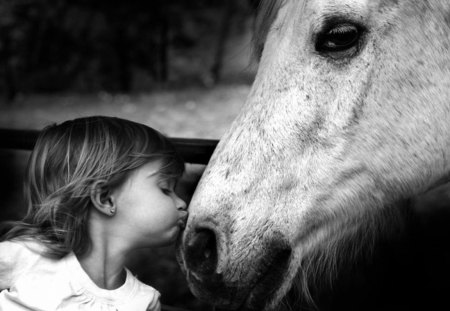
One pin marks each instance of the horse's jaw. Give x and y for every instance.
(266, 244)
(236, 282)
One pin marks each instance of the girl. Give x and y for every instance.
(97, 188)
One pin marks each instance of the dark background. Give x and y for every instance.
(91, 45)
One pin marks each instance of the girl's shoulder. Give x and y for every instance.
(15, 256)
(141, 287)
(21, 246)
(144, 295)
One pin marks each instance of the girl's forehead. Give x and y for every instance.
(157, 169)
(147, 172)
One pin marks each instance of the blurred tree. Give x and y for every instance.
(229, 7)
(8, 36)
(55, 45)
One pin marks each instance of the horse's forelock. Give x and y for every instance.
(266, 14)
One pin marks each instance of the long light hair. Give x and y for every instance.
(67, 159)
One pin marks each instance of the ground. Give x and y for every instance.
(189, 112)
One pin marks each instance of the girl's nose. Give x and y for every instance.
(181, 205)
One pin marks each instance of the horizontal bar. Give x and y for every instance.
(193, 150)
(169, 308)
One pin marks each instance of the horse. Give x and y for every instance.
(346, 126)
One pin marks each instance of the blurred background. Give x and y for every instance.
(182, 67)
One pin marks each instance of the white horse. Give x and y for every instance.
(348, 117)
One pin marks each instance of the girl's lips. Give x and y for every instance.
(182, 221)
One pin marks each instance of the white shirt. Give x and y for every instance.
(30, 281)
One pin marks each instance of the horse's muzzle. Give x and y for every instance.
(201, 253)
(259, 276)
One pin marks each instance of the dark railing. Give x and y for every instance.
(192, 150)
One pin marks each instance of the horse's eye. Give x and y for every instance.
(340, 38)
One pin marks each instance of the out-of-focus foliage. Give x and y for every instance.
(54, 45)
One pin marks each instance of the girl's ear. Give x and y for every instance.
(101, 198)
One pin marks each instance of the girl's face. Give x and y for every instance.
(148, 211)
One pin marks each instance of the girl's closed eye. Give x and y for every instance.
(166, 190)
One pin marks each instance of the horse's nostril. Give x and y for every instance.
(201, 252)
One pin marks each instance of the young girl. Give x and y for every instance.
(97, 188)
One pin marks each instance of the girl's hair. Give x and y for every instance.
(67, 159)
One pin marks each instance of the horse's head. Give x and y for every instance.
(348, 114)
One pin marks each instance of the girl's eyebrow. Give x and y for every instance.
(168, 181)
(151, 174)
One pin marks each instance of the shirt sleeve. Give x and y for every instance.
(154, 304)
(7, 265)
(13, 260)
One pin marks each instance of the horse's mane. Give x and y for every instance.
(343, 253)
(266, 14)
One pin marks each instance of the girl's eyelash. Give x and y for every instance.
(166, 191)
(167, 187)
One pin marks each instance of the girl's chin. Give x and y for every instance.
(168, 239)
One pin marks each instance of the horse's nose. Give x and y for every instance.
(201, 252)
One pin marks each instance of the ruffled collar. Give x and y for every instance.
(81, 282)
